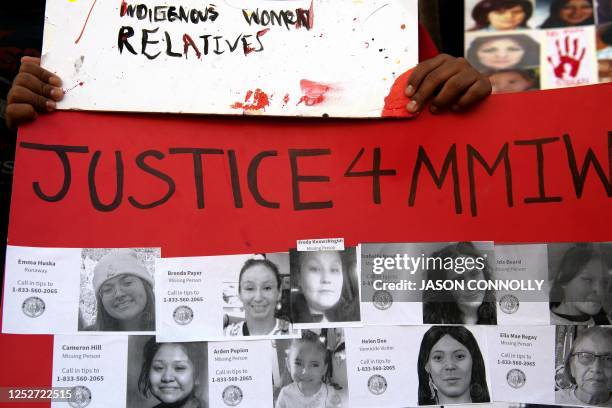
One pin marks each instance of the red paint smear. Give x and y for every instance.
(86, 21)
(286, 99)
(258, 101)
(187, 42)
(123, 8)
(247, 49)
(312, 92)
(311, 11)
(262, 32)
(396, 101)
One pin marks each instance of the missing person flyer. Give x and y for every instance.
(522, 363)
(379, 365)
(224, 297)
(525, 302)
(93, 367)
(71, 290)
(386, 298)
(240, 373)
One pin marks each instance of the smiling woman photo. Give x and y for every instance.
(259, 290)
(451, 368)
(570, 13)
(123, 289)
(170, 372)
(502, 15)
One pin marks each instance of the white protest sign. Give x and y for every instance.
(287, 58)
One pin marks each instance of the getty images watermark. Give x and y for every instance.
(468, 274)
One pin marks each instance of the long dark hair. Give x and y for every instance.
(531, 57)
(347, 307)
(573, 262)
(192, 350)
(554, 20)
(481, 11)
(105, 322)
(440, 306)
(479, 392)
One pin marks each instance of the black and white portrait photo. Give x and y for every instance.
(117, 289)
(583, 357)
(324, 287)
(256, 297)
(459, 262)
(580, 282)
(310, 371)
(451, 367)
(166, 375)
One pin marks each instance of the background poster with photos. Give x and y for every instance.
(523, 45)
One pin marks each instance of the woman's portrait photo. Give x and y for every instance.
(498, 52)
(451, 368)
(584, 366)
(324, 287)
(498, 15)
(566, 13)
(258, 304)
(460, 306)
(117, 289)
(310, 371)
(166, 375)
(580, 279)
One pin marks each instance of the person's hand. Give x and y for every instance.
(34, 91)
(452, 82)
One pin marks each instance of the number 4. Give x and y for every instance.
(376, 173)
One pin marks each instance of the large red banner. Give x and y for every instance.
(532, 167)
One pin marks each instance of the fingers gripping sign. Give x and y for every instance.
(449, 82)
(34, 90)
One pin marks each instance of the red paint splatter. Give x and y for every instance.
(253, 100)
(312, 92)
(65, 91)
(396, 101)
(86, 21)
(285, 99)
(403, 26)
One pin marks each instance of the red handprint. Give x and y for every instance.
(567, 57)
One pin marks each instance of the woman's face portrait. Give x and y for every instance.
(259, 292)
(467, 295)
(172, 374)
(124, 296)
(586, 290)
(450, 367)
(321, 278)
(575, 12)
(508, 82)
(500, 53)
(507, 19)
(593, 374)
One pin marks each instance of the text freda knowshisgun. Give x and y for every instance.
(151, 41)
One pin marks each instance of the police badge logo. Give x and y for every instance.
(377, 384)
(509, 304)
(33, 306)
(183, 315)
(232, 395)
(382, 299)
(516, 378)
(80, 398)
